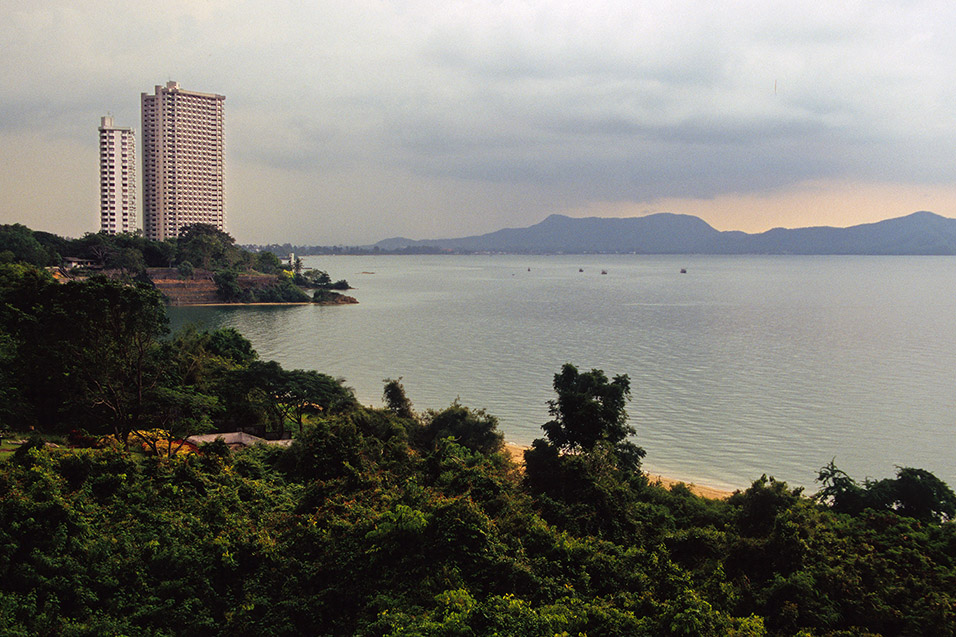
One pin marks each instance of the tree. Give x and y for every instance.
(921, 495)
(316, 279)
(475, 429)
(160, 254)
(288, 395)
(10, 397)
(584, 475)
(207, 247)
(96, 246)
(914, 493)
(115, 351)
(227, 285)
(395, 399)
(757, 508)
(196, 368)
(840, 492)
(26, 397)
(20, 242)
(591, 409)
(178, 412)
(129, 261)
(308, 392)
(229, 344)
(267, 262)
(186, 269)
(53, 244)
(85, 350)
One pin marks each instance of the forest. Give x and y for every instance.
(200, 250)
(392, 520)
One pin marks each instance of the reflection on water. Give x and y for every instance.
(742, 366)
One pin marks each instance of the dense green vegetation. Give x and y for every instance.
(198, 247)
(397, 522)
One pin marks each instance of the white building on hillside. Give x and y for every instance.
(183, 160)
(117, 178)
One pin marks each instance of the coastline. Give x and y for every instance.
(242, 304)
(705, 491)
(199, 289)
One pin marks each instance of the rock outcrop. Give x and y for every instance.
(199, 288)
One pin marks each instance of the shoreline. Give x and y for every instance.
(240, 304)
(705, 491)
(245, 304)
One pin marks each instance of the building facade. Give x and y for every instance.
(183, 160)
(117, 178)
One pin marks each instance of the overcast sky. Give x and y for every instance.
(352, 121)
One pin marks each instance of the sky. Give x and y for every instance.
(352, 121)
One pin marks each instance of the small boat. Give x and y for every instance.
(683, 270)
(580, 269)
(603, 271)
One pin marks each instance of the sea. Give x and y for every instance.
(739, 366)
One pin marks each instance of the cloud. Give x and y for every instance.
(649, 98)
(469, 103)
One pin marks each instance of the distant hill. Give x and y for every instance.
(666, 233)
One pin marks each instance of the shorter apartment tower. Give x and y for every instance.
(117, 178)
(183, 171)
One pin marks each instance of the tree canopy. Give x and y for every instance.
(18, 244)
(381, 521)
(588, 409)
(914, 493)
(474, 429)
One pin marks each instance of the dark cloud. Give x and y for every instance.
(471, 103)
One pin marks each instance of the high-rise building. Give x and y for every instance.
(183, 167)
(117, 178)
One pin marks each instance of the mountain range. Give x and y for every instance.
(666, 233)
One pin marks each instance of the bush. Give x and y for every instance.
(475, 429)
(186, 269)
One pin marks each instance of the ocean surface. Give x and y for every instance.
(739, 367)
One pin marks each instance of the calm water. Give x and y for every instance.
(742, 366)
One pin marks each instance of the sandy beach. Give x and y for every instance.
(517, 454)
